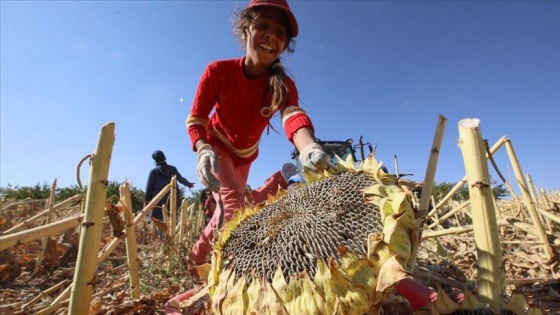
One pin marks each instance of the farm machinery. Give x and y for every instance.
(291, 173)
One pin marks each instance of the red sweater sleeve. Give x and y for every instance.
(293, 116)
(204, 101)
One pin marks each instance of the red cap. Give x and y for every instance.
(281, 5)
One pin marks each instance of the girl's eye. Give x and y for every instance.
(260, 26)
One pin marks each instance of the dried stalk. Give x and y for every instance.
(545, 199)
(550, 216)
(46, 292)
(531, 188)
(171, 224)
(527, 200)
(62, 298)
(40, 231)
(60, 302)
(486, 236)
(527, 228)
(27, 223)
(172, 206)
(201, 223)
(450, 231)
(109, 248)
(183, 223)
(450, 213)
(44, 240)
(463, 180)
(150, 206)
(428, 186)
(193, 222)
(91, 229)
(165, 214)
(131, 247)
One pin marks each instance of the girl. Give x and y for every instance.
(244, 94)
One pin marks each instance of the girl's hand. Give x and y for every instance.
(314, 158)
(208, 163)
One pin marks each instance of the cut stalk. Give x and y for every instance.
(109, 248)
(171, 224)
(44, 293)
(172, 206)
(486, 236)
(449, 231)
(545, 199)
(183, 224)
(463, 180)
(533, 213)
(449, 214)
(150, 206)
(165, 215)
(40, 231)
(427, 188)
(50, 210)
(531, 188)
(192, 224)
(29, 222)
(527, 228)
(550, 216)
(131, 247)
(91, 229)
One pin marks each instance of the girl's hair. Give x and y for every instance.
(277, 86)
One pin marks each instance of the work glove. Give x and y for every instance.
(208, 162)
(314, 158)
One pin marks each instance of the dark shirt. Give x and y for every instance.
(160, 176)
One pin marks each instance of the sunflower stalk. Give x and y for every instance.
(50, 213)
(183, 221)
(533, 213)
(544, 220)
(486, 235)
(91, 229)
(428, 185)
(28, 223)
(171, 224)
(463, 180)
(131, 246)
(449, 214)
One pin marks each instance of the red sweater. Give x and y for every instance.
(226, 111)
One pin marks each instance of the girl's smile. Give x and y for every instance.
(266, 40)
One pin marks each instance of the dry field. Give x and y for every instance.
(447, 261)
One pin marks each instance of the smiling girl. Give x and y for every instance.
(234, 102)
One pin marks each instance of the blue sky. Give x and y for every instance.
(382, 69)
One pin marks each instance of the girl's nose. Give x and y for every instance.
(269, 34)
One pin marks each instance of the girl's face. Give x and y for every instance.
(267, 37)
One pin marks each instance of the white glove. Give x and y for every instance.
(208, 163)
(314, 158)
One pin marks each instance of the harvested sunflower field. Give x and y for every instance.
(343, 253)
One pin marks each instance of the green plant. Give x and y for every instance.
(442, 189)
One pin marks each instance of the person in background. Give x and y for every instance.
(207, 204)
(234, 103)
(159, 177)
